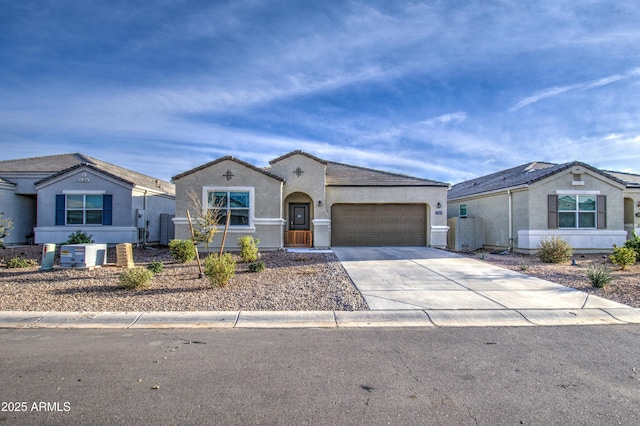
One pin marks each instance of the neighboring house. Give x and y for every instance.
(56, 195)
(517, 208)
(302, 200)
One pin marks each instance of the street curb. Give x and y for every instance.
(318, 319)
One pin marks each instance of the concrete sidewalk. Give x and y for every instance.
(404, 287)
(320, 319)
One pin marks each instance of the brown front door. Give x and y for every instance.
(299, 217)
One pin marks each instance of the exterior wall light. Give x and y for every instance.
(439, 205)
(319, 203)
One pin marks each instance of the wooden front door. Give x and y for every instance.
(299, 216)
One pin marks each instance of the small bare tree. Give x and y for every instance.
(206, 219)
(6, 224)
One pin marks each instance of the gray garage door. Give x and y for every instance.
(378, 225)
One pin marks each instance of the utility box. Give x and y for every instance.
(48, 255)
(83, 256)
(465, 234)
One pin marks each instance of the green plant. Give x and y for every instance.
(79, 237)
(219, 269)
(554, 250)
(155, 266)
(17, 262)
(599, 275)
(623, 256)
(634, 244)
(257, 267)
(523, 266)
(182, 251)
(248, 248)
(135, 278)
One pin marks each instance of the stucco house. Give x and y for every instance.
(302, 200)
(517, 208)
(50, 197)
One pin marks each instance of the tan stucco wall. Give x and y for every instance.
(267, 213)
(310, 182)
(494, 210)
(530, 215)
(539, 191)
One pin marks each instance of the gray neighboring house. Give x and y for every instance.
(302, 200)
(53, 196)
(516, 208)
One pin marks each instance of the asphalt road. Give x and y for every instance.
(523, 375)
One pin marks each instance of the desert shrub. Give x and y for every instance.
(135, 278)
(182, 251)
(155, 266)
(599, 275)
(17, 262)
(248, 248)
(79, 237)
(634, 244)
(257, 267)
(219, 269)
(623, 256)
(554, 250)
(523, 266)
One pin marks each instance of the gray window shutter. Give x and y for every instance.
(552, 210)
(602, 211)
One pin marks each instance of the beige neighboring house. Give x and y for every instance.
(301, 200)
(50, 197)
(517, 208)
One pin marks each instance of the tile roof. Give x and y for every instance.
(339, 174)
(632, 180)
(63, 163)
(229, 158)
(298, 152)
(524, 174)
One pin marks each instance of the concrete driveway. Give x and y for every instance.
(410, 278)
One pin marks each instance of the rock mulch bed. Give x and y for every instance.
(625, 287)
(291, 281)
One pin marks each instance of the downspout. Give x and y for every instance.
(144, 206)
(510, 196)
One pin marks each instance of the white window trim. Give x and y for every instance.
(84, 208)
(577, 211)
(81, 192)
(250, 189)
(576, 192)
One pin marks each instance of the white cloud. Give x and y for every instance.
(556, 91)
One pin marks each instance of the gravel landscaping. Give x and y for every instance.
(625, 287)
(291, 281)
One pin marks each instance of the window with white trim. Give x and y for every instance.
(233, 203)
(577, 211)
(83, 209)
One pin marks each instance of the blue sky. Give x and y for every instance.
(445, 90)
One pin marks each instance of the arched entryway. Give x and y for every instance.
(298, 211)
(629, 216)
